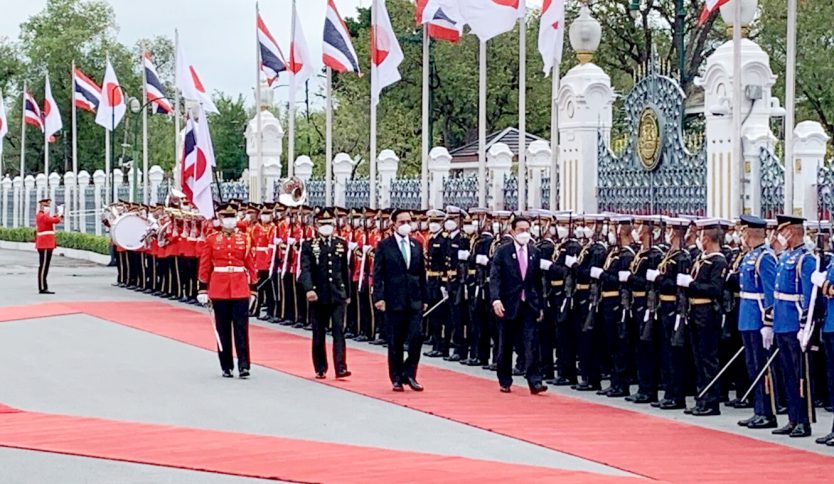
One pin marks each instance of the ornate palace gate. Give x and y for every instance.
(656, 172)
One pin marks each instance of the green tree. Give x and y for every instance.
(227, 132)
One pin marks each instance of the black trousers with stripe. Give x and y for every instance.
(44, 259)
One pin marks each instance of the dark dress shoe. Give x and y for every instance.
(413, 384)
(397, 387)
(643, 398)
(361, 338)
(706, 412)
(786, 430)
(320, 375)
(604, 392)
(518, 372)
(244, 374)
(634, 397)
(343, 374)
(46, 292)
(587, 387)
(228, 374)
(298, 325)
(492, 367)
(349, 335)
(762, 423)
(689, 411)
(824, 439)
(744, 404)
(433, 354)
(801, 430)
(781, 410)
(563, 382)
(617, 393)
(747, 421)
(657, 404)
(538, 388)
(671, 405)
(454, 357)
(505, 390)
(830, 443)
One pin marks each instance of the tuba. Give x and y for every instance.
(292, 192)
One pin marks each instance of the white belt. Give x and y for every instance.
(49, 232)
(786, 297)
(261, 249)
(230, 269)
(752, 295)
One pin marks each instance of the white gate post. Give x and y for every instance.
(500, 163)
(387, 164)
(98, 181)
(17, 202)
(539, 157)
(809, 155)
(440, 164)
(342, 169)
(83, 183)
(28, 186)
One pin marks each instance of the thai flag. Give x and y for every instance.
(338, 53)
(441, 19)
(272, 59)
(32, 113)
(155, 93)
(87, 95)
(198, 164)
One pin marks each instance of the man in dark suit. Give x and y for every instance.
(515, 288)
(399, 291)
(324, 278)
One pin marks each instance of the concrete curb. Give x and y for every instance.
(60, 251)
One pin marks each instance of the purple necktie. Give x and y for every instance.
(522, 266)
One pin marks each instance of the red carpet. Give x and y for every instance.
(256, 455)
(16, 313)
(643, 444)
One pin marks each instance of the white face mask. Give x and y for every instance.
(357, 223)
(612, 239)
(450, 225)
(561, 232)
(635, 234)
(469, 229)
(45, 208)
(728, 238)
(266, 219)
(215, 223)
(404, 229)
(667, 237)
(783, 241)
(496, 228)
(434, 227)
(536, 230)
(809, 242)
(522, 238)
(656, 233)
(552, 230)
(699, 244)
(326, 230)
(229, 223)
(424, 225)
(413, 226)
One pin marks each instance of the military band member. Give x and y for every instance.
(704, 288)
(45, 241)
(324, 279)
(553, 280)
(437, 273)
(263, 243)
(457, 256)
(792, 298)
(228, 279)
(586, 313)
(562, 284)
(824, 280)
(379, 230)
(756, 277)
(479, 307)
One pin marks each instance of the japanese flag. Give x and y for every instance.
(490, 18)
(51, 115)
(112, 107)
(552, 34)
(386, 54)
(189, 83)
(301, 63)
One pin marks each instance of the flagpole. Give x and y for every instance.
(522, 107)
(374, 80)
(328, 151)
(554, 137)
(291, 139)
(22, 153)
(482, 88)
(258, 176)
(145, 185)
(737, 162)
(177, 121)
(424, 172)
(46, 141)
(68, 219)
(790, 105)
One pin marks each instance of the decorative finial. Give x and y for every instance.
(748, 13)
(585, 34)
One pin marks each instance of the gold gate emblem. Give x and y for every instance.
(649, 139)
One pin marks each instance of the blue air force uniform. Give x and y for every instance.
(756, 279)
(827, 337)
(792, 296)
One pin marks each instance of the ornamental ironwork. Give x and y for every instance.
(675, 182)
(773, 183)
(825, 186)
(316, 193)
(358, 193)
(406, 193)
(511, 192)
(461, 192)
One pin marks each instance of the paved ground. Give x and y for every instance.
(79, 365)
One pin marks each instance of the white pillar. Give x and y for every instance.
(304, 168)
(17, 211)
(28, 186)
(54, 182)
(41, 187)
(500, 163)
(440, 164)
(155, 177)
(118, 179)
(70, 187)
(6, 186)
(83, 183)
(130, 182)
(99, 179)
(809, 155)
(342, 169)
(539, 158)
(387, 163)
(752, 143)
(264, 131)
(271, 174)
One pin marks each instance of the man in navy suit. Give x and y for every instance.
(399, 291)
(515, 286)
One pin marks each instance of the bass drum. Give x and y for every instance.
(128, 231)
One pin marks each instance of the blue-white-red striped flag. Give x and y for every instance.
(87, 95)
(338, 52)
(272, 59)
(155, 92)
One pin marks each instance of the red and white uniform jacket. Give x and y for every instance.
(45, 226)
(227, 266)
(263, 236)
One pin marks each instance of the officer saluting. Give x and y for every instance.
(45, 242)
(792, 295)
(228, 279)
(324, 278)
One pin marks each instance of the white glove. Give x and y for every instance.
(624, 275)
(366, 248)
(277, 241)
(253, 302)
(818, 278)
(570, 261)
(651, 275)
(684, 280)
(463, 254)
(60, 210)
(352, 246)
(481, 260)
(767, 337)
(444, 292)
(596, 272)
(202, 299)
(290, 240)
(545, 264)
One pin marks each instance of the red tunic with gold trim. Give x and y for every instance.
(358, 239)
(45, 226)
(263, 236)
(227, 266)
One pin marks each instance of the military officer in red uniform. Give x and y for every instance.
(263, 243)
(45, 241)
(228, 280)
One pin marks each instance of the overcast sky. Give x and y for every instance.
(218, 35)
